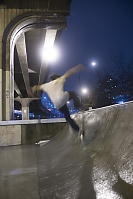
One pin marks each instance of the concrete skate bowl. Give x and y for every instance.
(101, 167)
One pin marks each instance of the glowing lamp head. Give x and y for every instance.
(84, 91)
(93, 63)
(50, 54)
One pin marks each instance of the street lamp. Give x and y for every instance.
(95, 69)
(84, 91)
(93, 63)
(50, 55)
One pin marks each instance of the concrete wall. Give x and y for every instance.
(33, 133)
(29, 132)
(10, 135)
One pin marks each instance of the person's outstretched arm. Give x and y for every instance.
(73, 70)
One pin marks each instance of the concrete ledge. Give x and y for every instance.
(38, 121)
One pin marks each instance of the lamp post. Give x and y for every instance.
(84, 92)
(94, 65)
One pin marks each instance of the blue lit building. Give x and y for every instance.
(120, 99)
(52, 111)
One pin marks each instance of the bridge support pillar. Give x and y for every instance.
(0, 80)
(25, 111)
(25, 106)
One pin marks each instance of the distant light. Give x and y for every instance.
(17, 111)
(84, 91)
(31, 115)
(50, 54)
(93, 63)
(120, 102)
(68, 102)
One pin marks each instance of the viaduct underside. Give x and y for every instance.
(25, 27)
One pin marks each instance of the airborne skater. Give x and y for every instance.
(59, 97)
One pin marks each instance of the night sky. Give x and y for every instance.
(96, 30)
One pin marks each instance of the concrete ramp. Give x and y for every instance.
(101, 167)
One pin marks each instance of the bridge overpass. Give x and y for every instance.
(25, 27)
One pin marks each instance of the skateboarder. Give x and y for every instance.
(58, 96)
